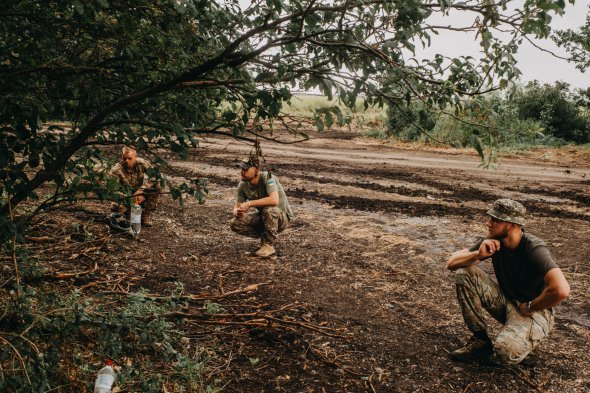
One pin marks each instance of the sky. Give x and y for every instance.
(544, 67)
(533, 63)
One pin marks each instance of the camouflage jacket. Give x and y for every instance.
(133, 178)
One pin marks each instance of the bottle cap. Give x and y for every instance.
(109, 362)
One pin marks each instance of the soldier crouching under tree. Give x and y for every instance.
(262, 210)
(529, 284)
(131, 171)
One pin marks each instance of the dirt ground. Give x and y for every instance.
(364, 258)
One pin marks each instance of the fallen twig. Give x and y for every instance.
(371, 384)
(522, 376)
(115, 280)
(61, 276)
(38, 239)
(468, 388)
(19, 358)
(201, 296)
(333, 362)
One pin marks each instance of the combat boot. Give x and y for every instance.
(266, 250)
(147, 219)
(475, 349)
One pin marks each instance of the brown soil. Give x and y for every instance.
(366, 254)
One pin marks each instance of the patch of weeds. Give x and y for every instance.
(212, 308)
(376, 133)
(190, 372)
(51, 339)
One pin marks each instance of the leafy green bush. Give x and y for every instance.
(408, 121)
(532, 115)
(554, 107)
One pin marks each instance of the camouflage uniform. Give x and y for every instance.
(264, 222)
(135, 179)
(266, 225)
(476, 291)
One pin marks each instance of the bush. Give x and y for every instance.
(531, 115)
(555, 108)
(408, 121)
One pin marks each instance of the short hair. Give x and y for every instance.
(128, 149)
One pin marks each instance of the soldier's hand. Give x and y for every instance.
(524, 310)
(139, 199)
(238, 212)
(488, 247)
(244, 206)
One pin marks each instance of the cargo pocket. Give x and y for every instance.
(541, 326)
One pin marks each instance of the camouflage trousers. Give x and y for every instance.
(265, 223)
(519, 335)
(151, 195)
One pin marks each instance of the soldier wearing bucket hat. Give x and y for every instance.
(262, 209)
(528, 285)
(509, 211)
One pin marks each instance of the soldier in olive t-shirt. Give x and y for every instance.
(520, 272)
(529, 285)
(262, 209)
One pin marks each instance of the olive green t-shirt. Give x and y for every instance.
(521, 272)
(265, 185)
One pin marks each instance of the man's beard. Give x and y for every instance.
(501, 236)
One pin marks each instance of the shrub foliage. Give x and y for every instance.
(532, 114)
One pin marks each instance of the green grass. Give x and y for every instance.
(304, 105)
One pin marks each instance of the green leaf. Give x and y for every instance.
(319, 124)
(78, 7)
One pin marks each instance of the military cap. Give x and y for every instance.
(509, 211)
(249, 162)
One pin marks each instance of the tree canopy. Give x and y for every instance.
(577, 43)
(78, 75)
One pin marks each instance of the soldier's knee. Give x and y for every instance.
(270, 212)
(465, 275)
(509, 351)
(234, 224)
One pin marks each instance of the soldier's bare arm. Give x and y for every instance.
(465, 258)
(556, 290)
(271, 200)
(462, 258)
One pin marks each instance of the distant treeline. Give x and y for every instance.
(533, 114)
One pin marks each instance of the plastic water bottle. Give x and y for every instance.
(105, 379)
(135, 219)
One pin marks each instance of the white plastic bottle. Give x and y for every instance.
(105, 379)
(135, 219)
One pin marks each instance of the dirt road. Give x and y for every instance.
(366, 254)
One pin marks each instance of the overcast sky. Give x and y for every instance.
(544, 67)
(533, 63)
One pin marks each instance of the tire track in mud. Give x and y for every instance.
(457, 194)
(583, 199)
(413, 209)
(300, 171)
